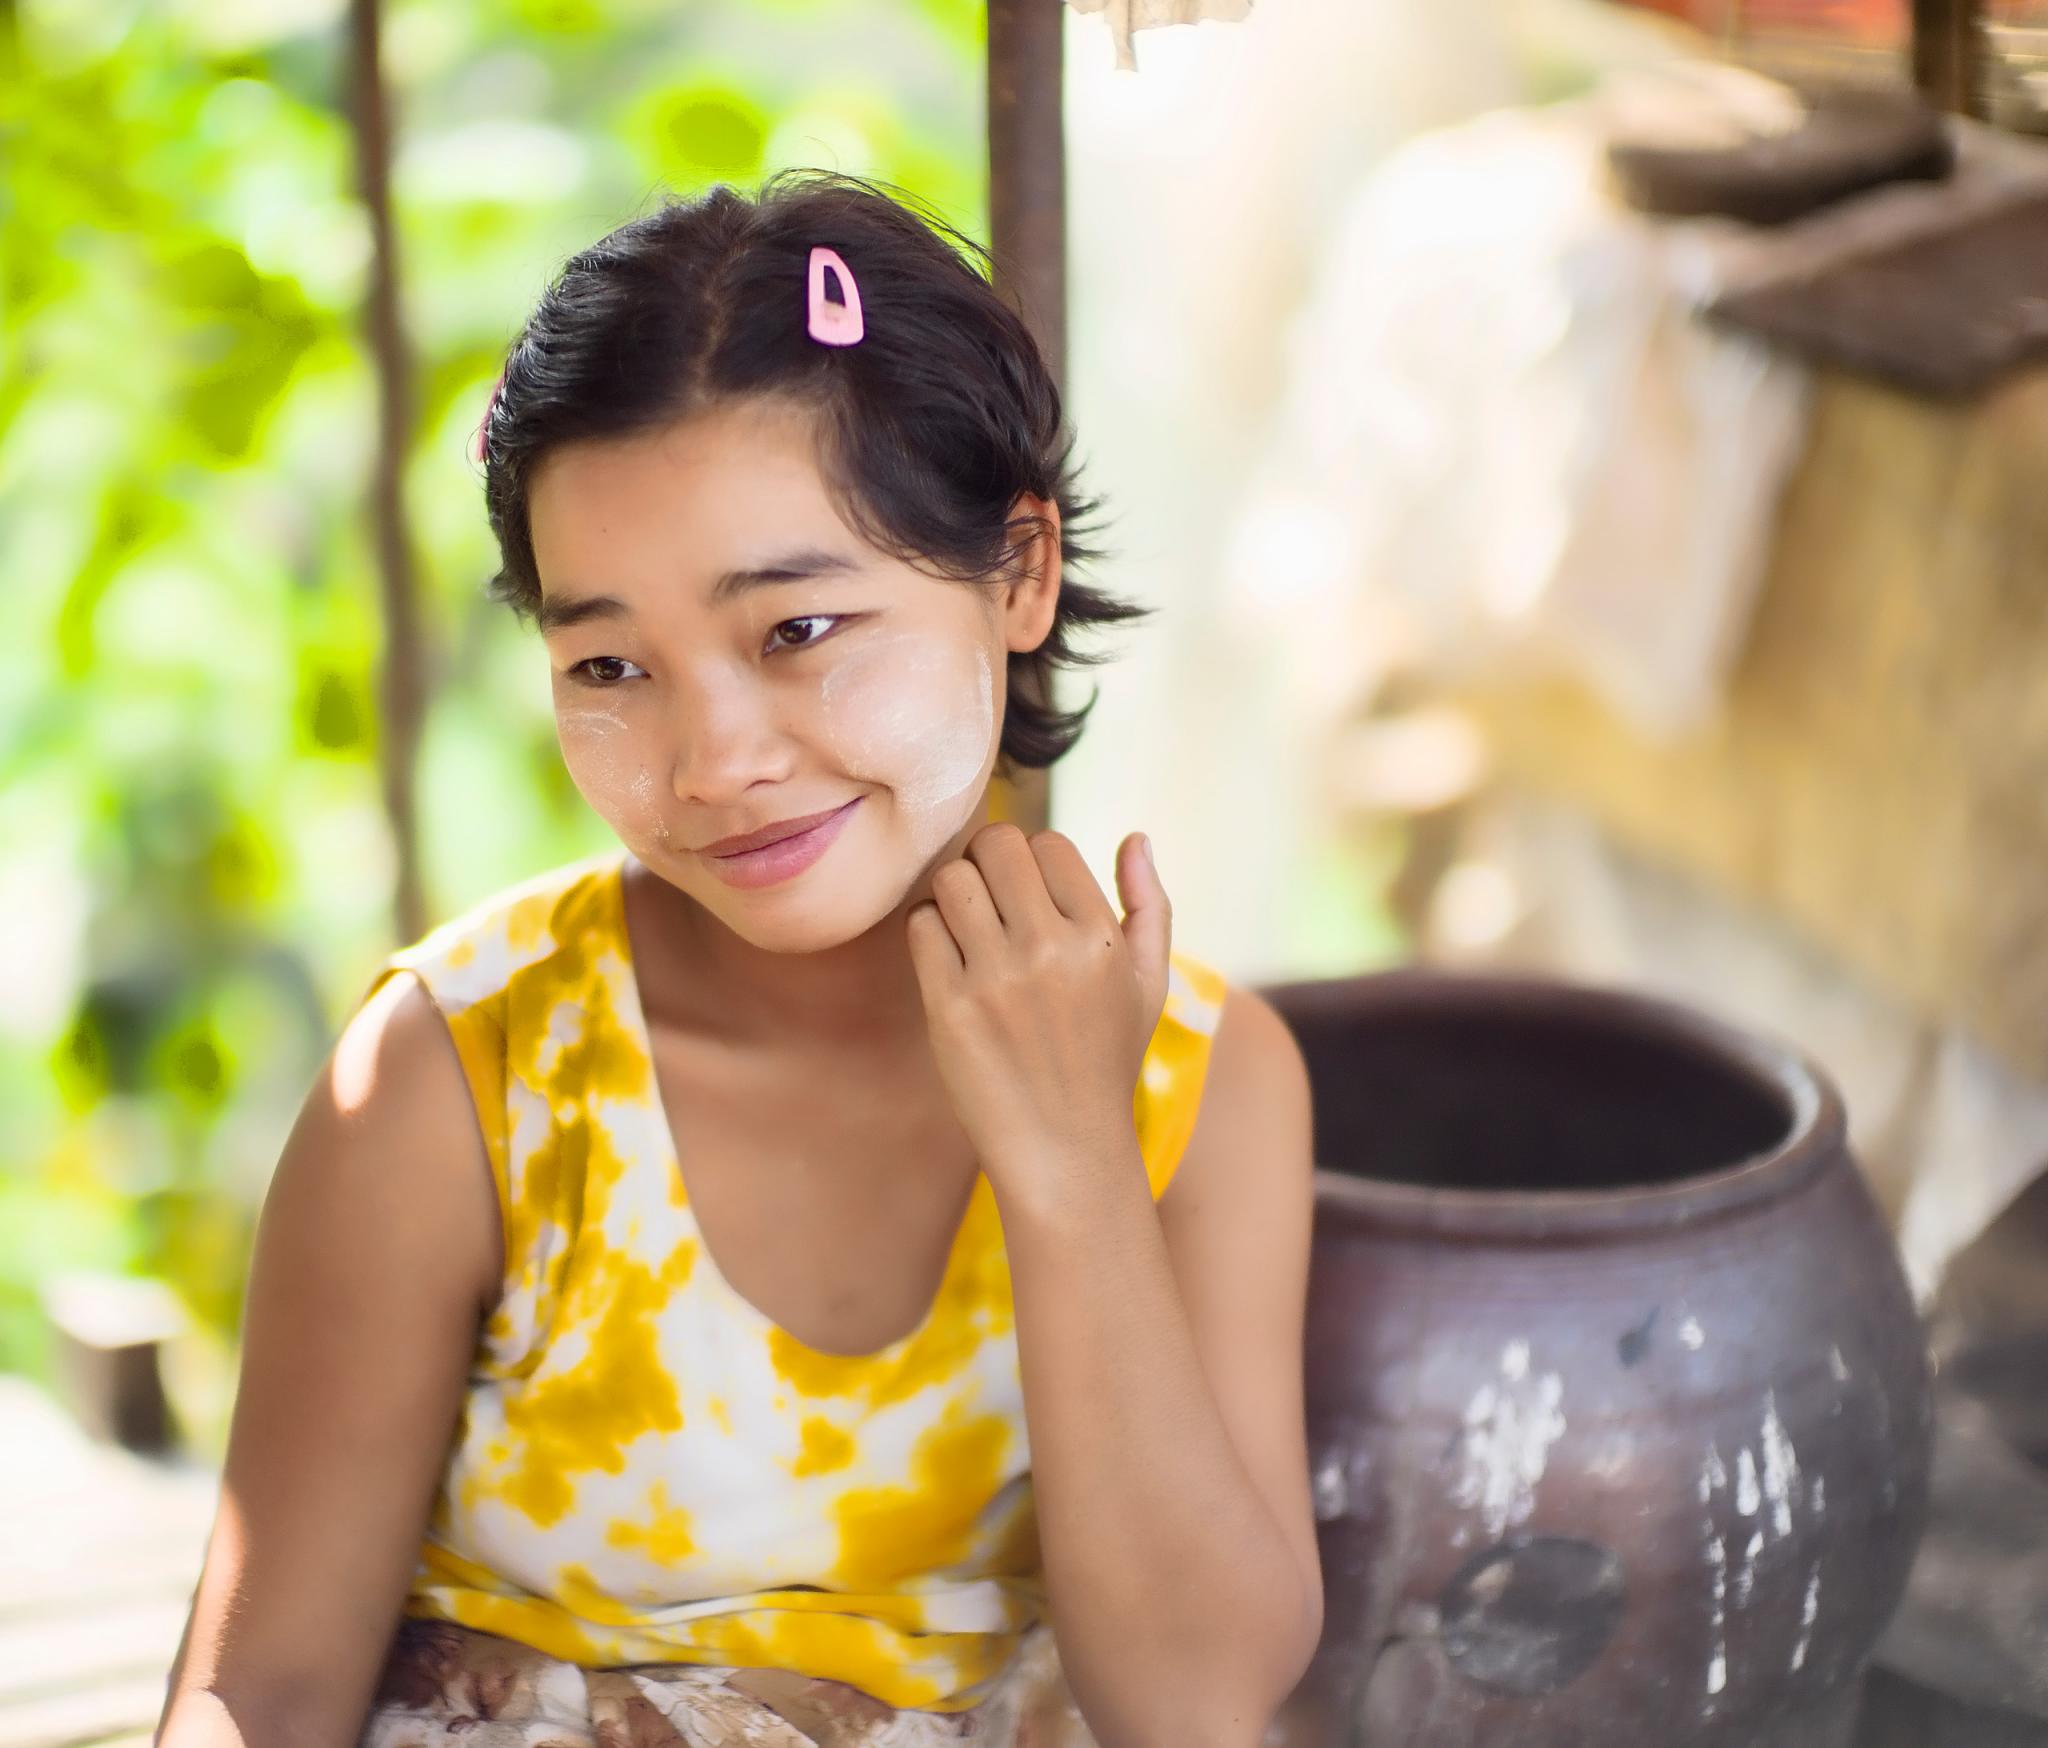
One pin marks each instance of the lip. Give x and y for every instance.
(786, 857)
(770, 834)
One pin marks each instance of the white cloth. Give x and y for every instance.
(1125, 16)
(1504, 416)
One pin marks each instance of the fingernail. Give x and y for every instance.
(1145, 844)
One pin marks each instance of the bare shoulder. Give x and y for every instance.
(394, 1096)
(1255, 1116)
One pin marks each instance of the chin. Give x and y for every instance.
(806, 925)
(822, 908)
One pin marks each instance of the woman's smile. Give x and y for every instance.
(784, 859)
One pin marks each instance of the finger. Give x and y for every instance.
(1148, 920)
(970, 914)
(1011, 876)
(1069, 881)
(934, 954)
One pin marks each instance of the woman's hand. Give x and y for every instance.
(1040, 1004)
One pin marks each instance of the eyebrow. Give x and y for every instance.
(559, 612)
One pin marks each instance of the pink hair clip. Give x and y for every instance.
(833, 324)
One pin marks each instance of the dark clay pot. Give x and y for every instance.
(1618, 1406)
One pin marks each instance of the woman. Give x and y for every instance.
(727, 1292)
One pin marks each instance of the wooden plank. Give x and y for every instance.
(72, 1719)
(173, 1572)
(100, 1551)
(75, 1651)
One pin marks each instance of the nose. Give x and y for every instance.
(728, 737)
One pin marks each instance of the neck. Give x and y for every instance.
(860, 996)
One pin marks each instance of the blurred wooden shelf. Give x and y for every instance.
(1878, 776)
(99, 1553)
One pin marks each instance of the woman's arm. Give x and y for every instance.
(377, 1252)
(1161, 1346)
(1162, 1365)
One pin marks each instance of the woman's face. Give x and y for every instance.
(695, 701)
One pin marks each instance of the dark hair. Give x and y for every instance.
(929, 427)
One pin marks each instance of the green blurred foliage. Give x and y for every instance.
(195, 870)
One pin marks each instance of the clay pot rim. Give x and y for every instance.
(1814, 1136)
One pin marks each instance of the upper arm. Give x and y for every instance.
(375, 1258)
(1237, 1219)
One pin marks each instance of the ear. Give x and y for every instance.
(1032, 600)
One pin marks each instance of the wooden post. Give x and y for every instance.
(107, 1338)
(402, 685)
(1948, 54)
(1027, 199)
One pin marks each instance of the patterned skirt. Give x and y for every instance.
(448, 1686)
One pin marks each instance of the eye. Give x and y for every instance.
(808, 619)
(593, 678)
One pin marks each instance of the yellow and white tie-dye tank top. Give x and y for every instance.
(647, 1468)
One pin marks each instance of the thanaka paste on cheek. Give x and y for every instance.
(626, 801)
(909, 712)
